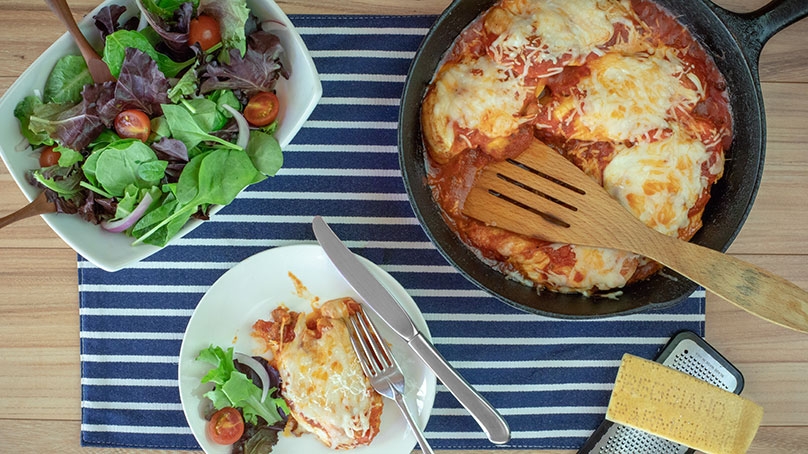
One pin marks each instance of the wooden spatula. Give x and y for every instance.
(542, 195)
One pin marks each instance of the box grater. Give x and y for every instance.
(685, 352)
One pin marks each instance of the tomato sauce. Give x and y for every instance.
(709, 120)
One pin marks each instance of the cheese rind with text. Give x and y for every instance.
(679, 407)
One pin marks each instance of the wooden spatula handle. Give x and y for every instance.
(752, 288)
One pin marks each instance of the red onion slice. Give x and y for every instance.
(129, 220)
(250, 362)
(243, 127)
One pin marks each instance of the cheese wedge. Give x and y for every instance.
(673, 405)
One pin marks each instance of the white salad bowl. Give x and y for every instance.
(112, 251)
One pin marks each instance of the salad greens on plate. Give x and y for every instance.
(248, 409)
(188, 123)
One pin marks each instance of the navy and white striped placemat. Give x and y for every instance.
(550, 379)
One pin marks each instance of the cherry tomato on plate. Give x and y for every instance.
(48, 157)
(205, 31)
(262, 109)
(133, 124)
(226, 426)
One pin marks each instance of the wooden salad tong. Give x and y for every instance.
(542, 195)
(98, 67)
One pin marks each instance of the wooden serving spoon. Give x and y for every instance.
(542, 195)
(98, 68)
(40, 205)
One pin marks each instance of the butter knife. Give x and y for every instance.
(379, 300)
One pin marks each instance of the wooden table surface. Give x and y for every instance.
(40, 402)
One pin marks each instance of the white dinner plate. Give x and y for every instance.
(250, 291)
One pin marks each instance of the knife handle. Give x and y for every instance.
(486, 416)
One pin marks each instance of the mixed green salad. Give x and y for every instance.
(187, 124)
(247, 410)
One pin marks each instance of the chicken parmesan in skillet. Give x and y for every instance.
(321, 378)
(618, 87)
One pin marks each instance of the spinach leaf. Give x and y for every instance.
(188, 183)
(184, 128)
(204, 112)
(127, 162)
(67, 79)
(132, 197)
(222, 97)
(106, 137)
(158, 226)
(265, 152)
(218, 175)
(213, 177)
(118, 42)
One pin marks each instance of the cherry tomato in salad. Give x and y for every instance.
(205, 31)
(133, 124)
(262, 109)
(226, 426)
(48, 157)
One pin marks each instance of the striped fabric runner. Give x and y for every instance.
(551, 379)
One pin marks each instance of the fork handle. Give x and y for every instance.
(419, 434)
(486, 416)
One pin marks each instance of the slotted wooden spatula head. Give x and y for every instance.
(542, 195)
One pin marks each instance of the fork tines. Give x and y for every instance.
(374, 355)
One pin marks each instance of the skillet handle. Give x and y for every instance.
(754, 29)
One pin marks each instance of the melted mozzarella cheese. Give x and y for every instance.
(472, 95)
(594, 268)
(628, 97)
(554, 29)
(659, 181)
(323, 382)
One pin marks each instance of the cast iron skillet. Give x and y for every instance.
(735, 42)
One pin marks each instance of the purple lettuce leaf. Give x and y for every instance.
(175, 152)
(174, 33)
(103, 97)
(258, 70)
(107, 21)
(141, 85)
(72, 126)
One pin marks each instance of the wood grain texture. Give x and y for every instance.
(39, 323)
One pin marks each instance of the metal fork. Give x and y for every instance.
(381, 368)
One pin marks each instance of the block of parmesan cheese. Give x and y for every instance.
(673, 405)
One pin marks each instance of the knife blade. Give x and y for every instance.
(387, 308)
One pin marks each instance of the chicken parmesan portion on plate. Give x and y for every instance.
(618, 87)
(322, 381)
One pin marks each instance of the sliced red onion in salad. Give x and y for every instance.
(128, 221)
(243, 127)
(256, 367)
